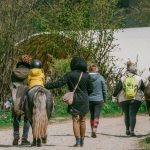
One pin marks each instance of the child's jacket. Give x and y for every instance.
(36, 77)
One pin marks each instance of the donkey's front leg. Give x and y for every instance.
(39, 143)
(34, 143)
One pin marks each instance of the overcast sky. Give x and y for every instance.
(133, 42)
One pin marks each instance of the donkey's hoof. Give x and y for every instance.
(44, 140)
(39, 144)
(33, 144)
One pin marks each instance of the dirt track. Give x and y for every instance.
(111, 136)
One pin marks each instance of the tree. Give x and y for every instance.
(90, 23)
(15, 17)
(80, 20)
(142, 12)
(137, 14)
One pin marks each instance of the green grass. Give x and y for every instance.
(145, 143)
(5, 119)
(60, 108)
(60, 112)
(111, 109)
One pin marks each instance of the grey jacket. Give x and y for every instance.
(99, 87)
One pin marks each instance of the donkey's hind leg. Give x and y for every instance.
(44, 139)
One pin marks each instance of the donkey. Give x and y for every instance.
(38, 109)
(147, 96)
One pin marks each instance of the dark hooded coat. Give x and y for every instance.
(80, 104)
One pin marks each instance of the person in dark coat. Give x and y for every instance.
(18, 86)
(80, 105)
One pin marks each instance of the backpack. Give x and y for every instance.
(130, 87)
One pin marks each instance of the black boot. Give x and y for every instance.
(16, 140)
(24, 141)
(82, 141)
(78, 142)
(127, 132)
(132, 134)
(93, 135)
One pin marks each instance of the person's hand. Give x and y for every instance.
(114, 99)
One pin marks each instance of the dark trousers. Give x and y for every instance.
(95, 110)
(16, 121)
(130, 109)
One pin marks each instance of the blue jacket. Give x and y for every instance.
(99, 87)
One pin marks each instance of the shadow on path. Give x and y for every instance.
(22, 146)
(65, 135)
(124, 136)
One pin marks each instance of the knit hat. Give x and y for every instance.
(26, 58)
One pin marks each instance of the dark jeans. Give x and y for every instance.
(16, 121)
(130, 109)
(95, 110)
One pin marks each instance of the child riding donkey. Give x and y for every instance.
(39, 103)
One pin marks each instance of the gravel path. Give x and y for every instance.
(111, 136)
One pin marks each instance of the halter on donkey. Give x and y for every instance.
(38, 110)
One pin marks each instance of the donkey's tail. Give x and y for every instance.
(40, 118)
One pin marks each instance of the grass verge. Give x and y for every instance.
(145, 143)
(60, 114)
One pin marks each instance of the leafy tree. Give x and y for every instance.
(15, 15)
(89, 23)
(123, 3)
(80, 20)
(137, 14)
(142, 12)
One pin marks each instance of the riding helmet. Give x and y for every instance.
(36, 63)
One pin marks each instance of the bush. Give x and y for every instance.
(60, 108)
(145, 143)
(143, 108)
(111, 108)
(5, 118)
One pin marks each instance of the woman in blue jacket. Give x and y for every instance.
(96, 98)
